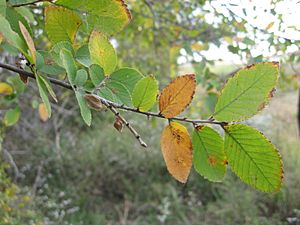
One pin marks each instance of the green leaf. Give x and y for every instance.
(247, 92)
(14, 18)
(145, 93)
(48, 86)
(17, 84)
(85, 111)
(209, 156)
(69, 64)
(26, 13)
(46, 65)
(83, 56)
(118, 91)
(12, 116)
(44, 94)
(61, 24)
(121, 93)
(102, 52)
(3, 8)
(55, 51)
(106, 93)
(97, 74)
(12, 37)
(107, 16)
(81, 77)
(127, 76)
(253, 158)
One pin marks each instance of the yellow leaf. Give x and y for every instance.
(270, 25)
(43, 112)
(5, 89)
(177, 95)
(177, 151)
(29, 41)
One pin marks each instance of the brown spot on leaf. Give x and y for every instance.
(212, 160)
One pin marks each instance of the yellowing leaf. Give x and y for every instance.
(102, 52)
(5, 89)
(176, 148)
(29, 41)
(107, 16)
(43, 112)
(61, 24)
(177, 95)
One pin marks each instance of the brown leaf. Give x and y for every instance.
(24, 78)
(94, 102)
(29, 41)
(177, 95)
(176, 148)
(43, 112)
(119, 124)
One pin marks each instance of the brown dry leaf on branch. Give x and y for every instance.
(177, 95)
(177, 151)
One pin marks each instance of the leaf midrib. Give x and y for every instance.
(236, 98)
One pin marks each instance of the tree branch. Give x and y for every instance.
(108, 103)
(30, 3)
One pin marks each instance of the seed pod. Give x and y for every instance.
(119, 124)
(94, 102)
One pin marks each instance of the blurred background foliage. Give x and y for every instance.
(62, 172)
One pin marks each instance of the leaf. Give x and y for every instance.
(127, 76)
(6, 89)
(83, 56)
(14, 18)
(16, 83)
(209, 156)
(120, 93)
(85, 111)
(48, 86)
(69, 64)
(107, 16)
(247, 92)
(177, 95)
(97, 74)
(61, 24)
(3, 8)
(12, 116)
(44, 94)
(55, 51)
(81, 77)
(176, 148)
(270, 25)
(253, 158)
(12, 37)
(145, 93)
(43, 112)
(45, 64)
(29, 42)
(102, 52)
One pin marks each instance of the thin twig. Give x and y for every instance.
(127, 124)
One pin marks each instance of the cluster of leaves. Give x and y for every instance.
(90, 68)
